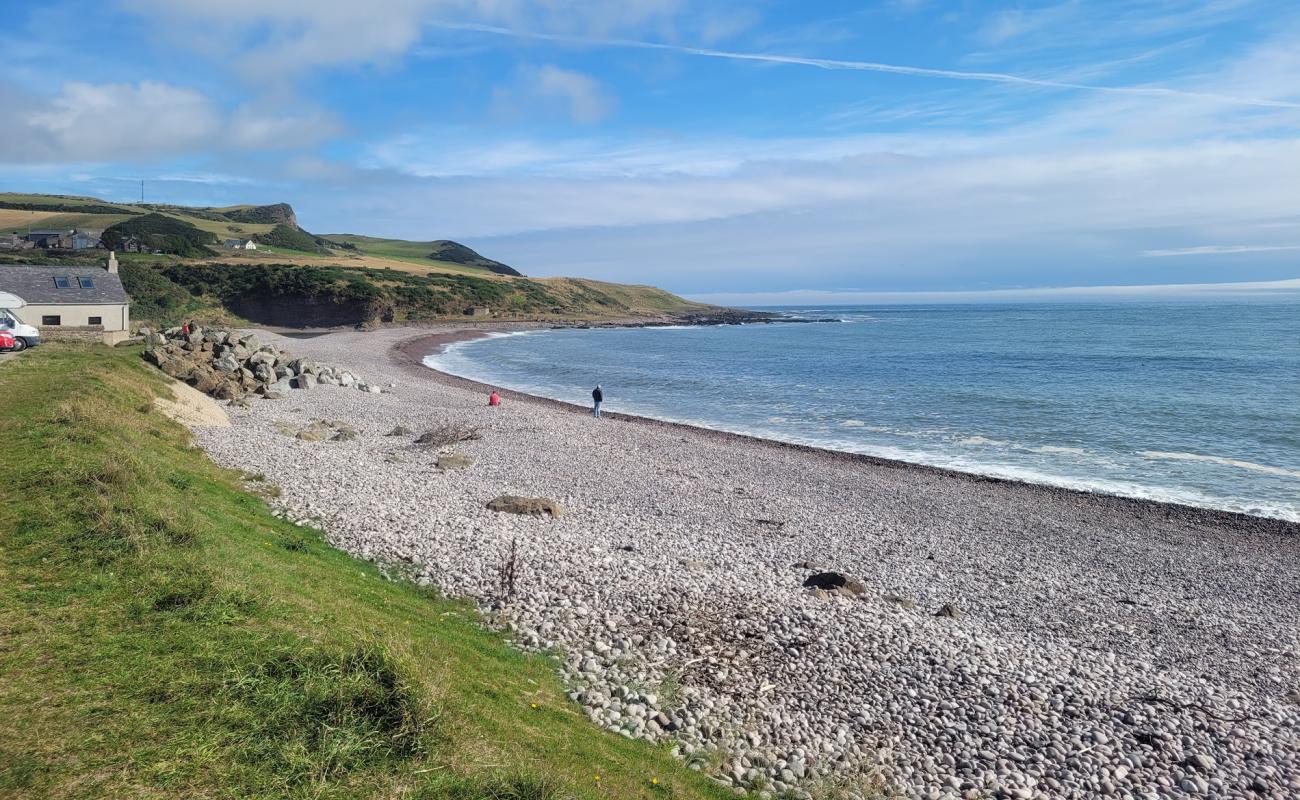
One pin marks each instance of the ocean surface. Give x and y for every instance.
(1196, 403)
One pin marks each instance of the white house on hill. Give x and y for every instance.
(240, 244)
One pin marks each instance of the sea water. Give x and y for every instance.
(1196, 403)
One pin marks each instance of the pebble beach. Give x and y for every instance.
(992, 639)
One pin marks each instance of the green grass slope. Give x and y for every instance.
(162, 635)
(440, 252)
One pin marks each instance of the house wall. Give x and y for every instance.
(115, 325)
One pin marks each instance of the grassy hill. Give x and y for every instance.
(441, 252)
(299, 279)
(164, 635)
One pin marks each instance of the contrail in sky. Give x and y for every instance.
(866, 66)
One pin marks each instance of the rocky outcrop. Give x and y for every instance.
(231, 366)
(275, 214)
(305, 311)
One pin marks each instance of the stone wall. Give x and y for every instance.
(94, 334)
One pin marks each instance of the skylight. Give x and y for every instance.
(86, 283)
(62, 282)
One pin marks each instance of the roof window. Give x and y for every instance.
(62, 282)
(85, 282)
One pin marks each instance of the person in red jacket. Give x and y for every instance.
(494, 399)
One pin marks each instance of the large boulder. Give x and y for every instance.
(530, 506)
(262, 357)
(263, 372)
(205, 379)
(228, 390)
(156, 356)
(305, 381)
(226, 363)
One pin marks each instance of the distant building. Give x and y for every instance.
(15, 241)
(47, 239)
(85, 240)
(478, 311)
(63, 239)
(240, 244)
(71, 302)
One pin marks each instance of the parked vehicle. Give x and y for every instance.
(7, 342)
(24, 335)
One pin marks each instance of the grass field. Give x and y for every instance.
(57, 199)
(162, 635)
(391, 252)
(20, 221)
(396, 249)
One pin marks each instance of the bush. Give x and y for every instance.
(153, 296)
(160, 232)
(290, 238)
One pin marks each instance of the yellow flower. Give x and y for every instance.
(598, 776)
(654, 781)
(534, 705)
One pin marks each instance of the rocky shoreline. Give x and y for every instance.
(987, 639)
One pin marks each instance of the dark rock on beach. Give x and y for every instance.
(530, 506)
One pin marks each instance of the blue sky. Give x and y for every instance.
(717, 149)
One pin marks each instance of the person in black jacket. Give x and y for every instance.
(597, 397)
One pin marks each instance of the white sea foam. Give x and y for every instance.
(980, 440)
(777, 420)
(1227, 462)
(853, 423)
(1051, 448)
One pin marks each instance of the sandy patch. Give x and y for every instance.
(193, 408)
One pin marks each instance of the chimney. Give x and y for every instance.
(112, 262)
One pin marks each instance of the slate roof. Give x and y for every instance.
(36, 285)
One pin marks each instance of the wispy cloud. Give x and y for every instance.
(871, 66)
(1219, 250)
(584, 99)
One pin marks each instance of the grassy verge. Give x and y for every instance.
(162, 635)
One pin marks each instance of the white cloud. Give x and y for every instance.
(146, 121)
(260, 128)
(281, 39)
(542, 90)
(1012, 23)
(98, 122)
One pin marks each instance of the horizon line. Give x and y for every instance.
(792, 297)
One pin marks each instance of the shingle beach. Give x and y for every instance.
(993, 639)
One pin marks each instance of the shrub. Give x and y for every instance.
(160, 232)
